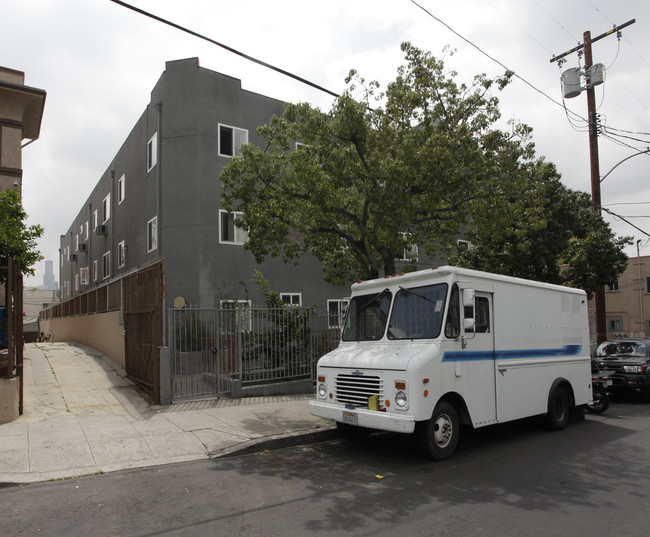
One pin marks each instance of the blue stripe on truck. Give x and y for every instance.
(472, 356)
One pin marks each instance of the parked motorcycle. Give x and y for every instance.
(600, 381)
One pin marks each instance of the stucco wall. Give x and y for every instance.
(102, 331)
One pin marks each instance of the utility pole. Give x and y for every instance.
(601, 311)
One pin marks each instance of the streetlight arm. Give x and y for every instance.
(622, 161)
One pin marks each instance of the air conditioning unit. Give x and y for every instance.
(101, 230)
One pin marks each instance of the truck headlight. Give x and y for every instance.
(633, 368)
(400, 400)
(322, 390)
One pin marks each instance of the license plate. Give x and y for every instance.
(351, 417)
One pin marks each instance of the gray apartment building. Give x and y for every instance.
(159, 199)
(153, 243)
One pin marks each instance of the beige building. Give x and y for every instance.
(628, 301)
(21, 112)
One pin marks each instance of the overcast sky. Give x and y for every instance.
(99, 61)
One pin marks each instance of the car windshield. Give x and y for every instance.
(367, 317)
(417, 312)
(621, 348)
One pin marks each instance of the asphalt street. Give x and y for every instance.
(515, 479)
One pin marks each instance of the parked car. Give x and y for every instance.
(629, 361)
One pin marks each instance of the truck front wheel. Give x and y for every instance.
(437, 438)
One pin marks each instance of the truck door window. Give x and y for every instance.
(367, 316)
(481, 315)
(417, 312)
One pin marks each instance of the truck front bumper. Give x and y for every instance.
(372, 419)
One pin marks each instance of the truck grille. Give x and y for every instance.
(355, 389)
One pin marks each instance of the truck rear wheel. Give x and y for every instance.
(437, 438)
(557, 415)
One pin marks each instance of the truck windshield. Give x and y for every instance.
(367, 316)
(417, 312)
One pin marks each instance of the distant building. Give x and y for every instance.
(628, 301)
(49, 281)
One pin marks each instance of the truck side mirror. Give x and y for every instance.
(468, 310)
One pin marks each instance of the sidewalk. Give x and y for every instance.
(83, 416)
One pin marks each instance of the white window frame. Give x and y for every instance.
(76, 243)
(341, 307)
(95, 270)
(83, 275)
(76, 282)
(121, 189)
(86, 230)
(236, 143)
(152, 234)
(408, 256)
(121, 254)
(106, 209)
(239, 236)
(292, 299)
(106, 265)
(243, 320)
(152, 152)
(95, 220)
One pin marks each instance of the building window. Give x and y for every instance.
(235, 316)
(86, 230)
(106, 265)
(152, 152)
(647, 284)
(152, 234)
(106, 209)
(121, 254)
(614, 287)
(336, 310)
(410, 253)
(76, 243)
(95, 270)
(614, 325)
(83, 273)
(121, 189)
(229, 233)
(291, 299)
(76, 282)
(230, 140)
(95, 220)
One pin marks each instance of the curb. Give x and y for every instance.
(280, 441)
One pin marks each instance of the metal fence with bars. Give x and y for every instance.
(211, 348)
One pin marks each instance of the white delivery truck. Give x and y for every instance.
(426, 351)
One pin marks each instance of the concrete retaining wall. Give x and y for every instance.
(101, 331)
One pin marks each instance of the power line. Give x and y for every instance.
(493, 59)
(226, 47)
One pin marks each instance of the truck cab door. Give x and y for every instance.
(475, 366)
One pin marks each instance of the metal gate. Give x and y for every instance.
(195, 360)
(211, 348)
(143, 308)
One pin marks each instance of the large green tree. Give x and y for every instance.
(374, 176)
(413, 164)
(17, 240)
